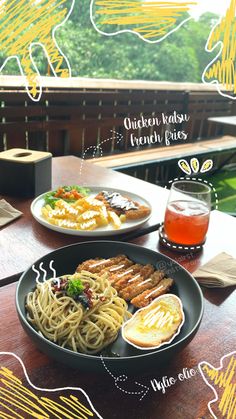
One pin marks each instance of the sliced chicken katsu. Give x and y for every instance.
(125, 274)
(137, 288)
(142, 300)
(143, 274)
(139, 284)
(98, 264)
(114, 201)
(118, 267)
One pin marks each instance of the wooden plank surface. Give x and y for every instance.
(161, 153)
(186, 399)
(18, 82)
(24, 241)
(31, 240)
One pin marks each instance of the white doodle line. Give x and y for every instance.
(219, 43)
(130, 30)
(33, 44)
(145, 308)
(54, 389)
(216, 207)
(199, 180)
(120, 378)
(204, 378)
(195, 170)
(123, 378)
(44, 271)
(118, 137)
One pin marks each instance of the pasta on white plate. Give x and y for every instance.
(81, 312)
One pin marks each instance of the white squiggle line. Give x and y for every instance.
(52, 390)
(200, 180)
(43, 270)
(123, 378)
(219, 43)
(98, 147)
(38, 274)
(131, 31)
(52, 269)
(49, 60)
(150, 305)
(204, 378)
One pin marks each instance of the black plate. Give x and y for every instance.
(66, 260)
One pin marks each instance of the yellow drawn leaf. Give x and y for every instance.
(184, 166)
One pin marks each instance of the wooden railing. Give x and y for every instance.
(75, 114)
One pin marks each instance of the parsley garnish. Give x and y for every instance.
(74, 288)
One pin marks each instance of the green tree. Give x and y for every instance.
(179, 57)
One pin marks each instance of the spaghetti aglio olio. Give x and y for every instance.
(63, 319)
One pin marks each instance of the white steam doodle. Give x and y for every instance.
(43, 271)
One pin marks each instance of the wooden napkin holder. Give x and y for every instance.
(25, 173)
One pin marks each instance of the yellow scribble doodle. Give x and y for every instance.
(151, 20)
(223, 383)
(27, 23)
(18, 402)
(222, 70)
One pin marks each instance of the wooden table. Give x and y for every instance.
(31, 240)
(215, 338)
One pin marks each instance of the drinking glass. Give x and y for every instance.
(188, 212)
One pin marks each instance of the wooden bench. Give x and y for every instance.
(76, 115)
(163, 154)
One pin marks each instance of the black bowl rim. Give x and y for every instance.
(97, 357)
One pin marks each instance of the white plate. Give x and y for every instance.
(38, 203)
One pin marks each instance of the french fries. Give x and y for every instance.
(85, 214)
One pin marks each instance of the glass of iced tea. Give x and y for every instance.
(188, 212)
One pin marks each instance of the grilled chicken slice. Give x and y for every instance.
(145, 272)
(97, 264)
(132, 290)
(142, 300)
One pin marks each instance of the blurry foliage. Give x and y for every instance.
(179, 57)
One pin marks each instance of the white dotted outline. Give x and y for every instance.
(123, 378)
(216, 207)
(199, 180)
(118, 137)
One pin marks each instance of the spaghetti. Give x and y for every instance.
(79, 323)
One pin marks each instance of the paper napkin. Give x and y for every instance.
(218, 272)
(7, 213)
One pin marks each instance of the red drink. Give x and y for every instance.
(186, 222)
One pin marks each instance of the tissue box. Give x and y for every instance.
(25, 173)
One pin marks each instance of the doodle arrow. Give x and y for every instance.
(123, 378)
